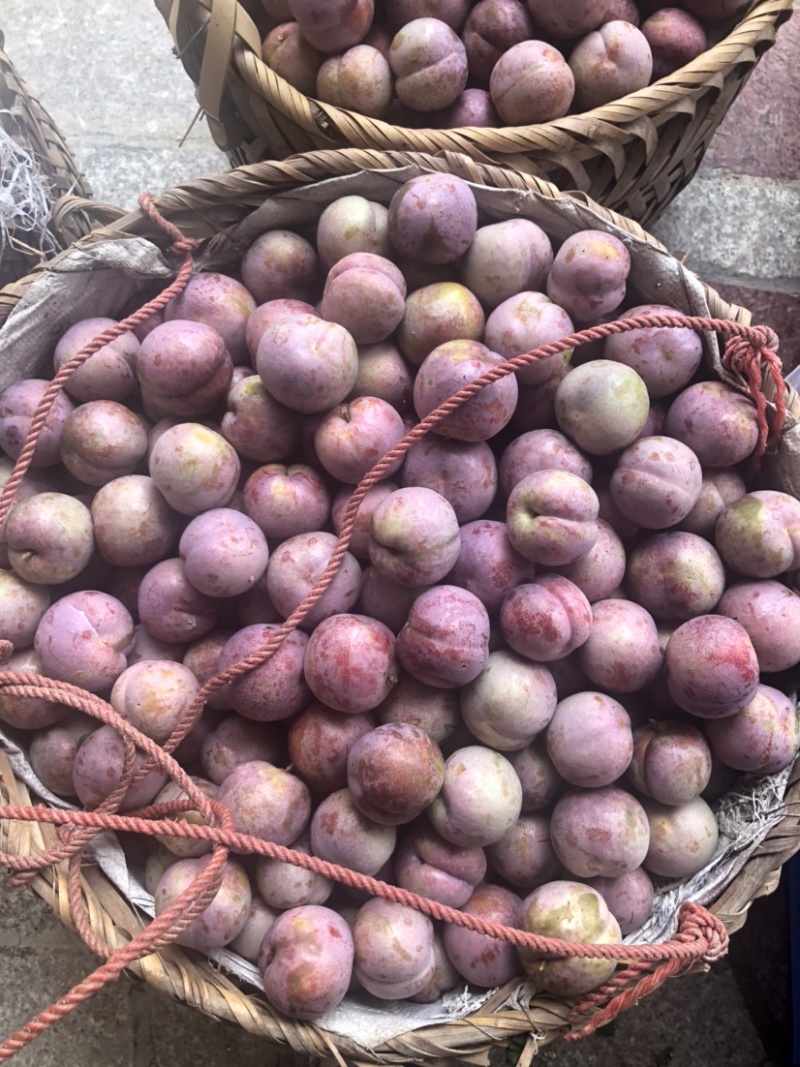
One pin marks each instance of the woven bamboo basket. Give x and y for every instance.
(29, 126)
(209, 209)
(634, 155)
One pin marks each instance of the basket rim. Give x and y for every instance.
(246, 186)
(189, 976)
(689, 80)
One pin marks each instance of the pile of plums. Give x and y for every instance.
(557, 633)
(451, 63)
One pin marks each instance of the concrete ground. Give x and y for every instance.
(107, 75)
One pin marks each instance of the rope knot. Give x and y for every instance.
(748, 355)
(698, 925)
(6, 651)
(742, 352)
(181, 245)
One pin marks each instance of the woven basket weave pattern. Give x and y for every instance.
(633, 155)
(28, 124)
(205, 209)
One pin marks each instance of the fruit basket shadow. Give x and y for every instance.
(38, 168)
(633, 155)
(118, 265)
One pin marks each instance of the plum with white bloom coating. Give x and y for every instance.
(320, 740)
(194, 467)
(759, 535)
(463, 472)
(509, 703)
(483, 960)
(266, 802)
(712, 667)
(98, 767)
(445, 641)
(235, 741)
(571, 911)
(108, 374)
(350, 662)
(275, 689)
(675, 575)
(665, 358)
(414, 537)
(281, 265)
(488, 565)
(541, 783)
(480, 800)
(352, 224)
(763, 738)
(509, 257)
(103, 440)
(184, 367)
(525, 856)
(18, 404)
(447, 370)
(171, 607)
(394, 955)
(295, 567)
(622, 654)
(671, 761)
(551, 517)
(257, 426)
(394, 772)
(284, 885)
(126, 544)
(428, 865)
(287, 501)
(435, 314)
(154, 696)
(590, 740)
(629, 898)
(540, 450)
(431, 708)
(29, 713)
(352, 437)
(770, 612)
(306, 961)
(546, 619)
(433, 218)
(718, 423)
(84, 638)
(601, 570)
(656, 482)
(609, 63)
(22, 605)
(225, 916)
(366, 294)
(309, 365)
(682, 839)
(341, 833)
(224, 552)
(602, 406)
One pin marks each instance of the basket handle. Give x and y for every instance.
(76, 216)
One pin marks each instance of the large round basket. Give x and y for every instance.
(633, 155)
(216, 210)
(51, 167)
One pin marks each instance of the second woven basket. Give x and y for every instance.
(633, 155)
